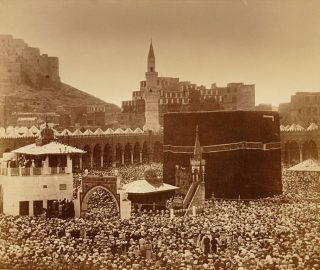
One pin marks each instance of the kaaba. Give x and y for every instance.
(241, 150)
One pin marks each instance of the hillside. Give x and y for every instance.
(52, 94)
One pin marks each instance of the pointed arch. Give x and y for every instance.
(119, 153)
(136, 152)
(145, 153)
(309, 150)
(86, 156)
(292, 152)
(157, 152)
(107, 155)
(127, 153)
(97, 153)
(84, 203)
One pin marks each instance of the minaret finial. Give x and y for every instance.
(151, 59)
(197, 147)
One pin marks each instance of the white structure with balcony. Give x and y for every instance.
(35, 175)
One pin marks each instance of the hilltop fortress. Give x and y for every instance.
(20, 63)
(31, 90)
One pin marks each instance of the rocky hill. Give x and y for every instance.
(29, 77)
(52, 94)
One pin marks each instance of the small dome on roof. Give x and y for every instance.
(46, 135)
(151, 176)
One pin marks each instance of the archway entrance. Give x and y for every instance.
(100, 201)
(118, 154)
(292, 153)
(309, 150)
(136, 153)
(86, 157)
(145, 153)
(97, 153)
(91, 186)
(157, 152)
(107, 155)
(127, 153)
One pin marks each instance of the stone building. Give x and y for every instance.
(159, 95)
(19, 62)
(303, 109)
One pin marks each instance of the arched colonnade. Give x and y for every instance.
(99, 155)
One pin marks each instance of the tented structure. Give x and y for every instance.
(77, 132)
(109, 131)
(295, 127)
(66, 132)
(99, 131)
(312, 127)
(34, 130)
(282, 128)
(119, 131)
(88, 132)
(138, 130)
(128, 130)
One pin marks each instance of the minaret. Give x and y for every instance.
(151, 94)
(198, 169)
(196, 162)
(151, 60)
(197, 153)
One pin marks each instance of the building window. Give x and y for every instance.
(63, 187)
(45, 186)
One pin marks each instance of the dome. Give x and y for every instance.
(151, 176)
(47, 135)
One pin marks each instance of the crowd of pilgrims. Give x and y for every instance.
(127, 173)
(262, 234)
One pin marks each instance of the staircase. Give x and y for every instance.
(197, 198)
(187, 199)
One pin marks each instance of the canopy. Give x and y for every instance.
(144, 187)
(295, 127)
(312, 127)
(88, 132)
(50, 148)
(66, 132)
(98, 131)
(309, 165)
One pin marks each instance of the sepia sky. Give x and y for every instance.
(103, 45)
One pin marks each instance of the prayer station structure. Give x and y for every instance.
(36, 175)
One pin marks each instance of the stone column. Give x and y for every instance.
(140, 156)
(300, 151)
(91, 159)
(122, 157)
(31, 208)
(101, 161)
(80, 162)
(114, 157)
(69, 164)
(131, 156)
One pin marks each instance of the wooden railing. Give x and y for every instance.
(30, 171)
(189, 195)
